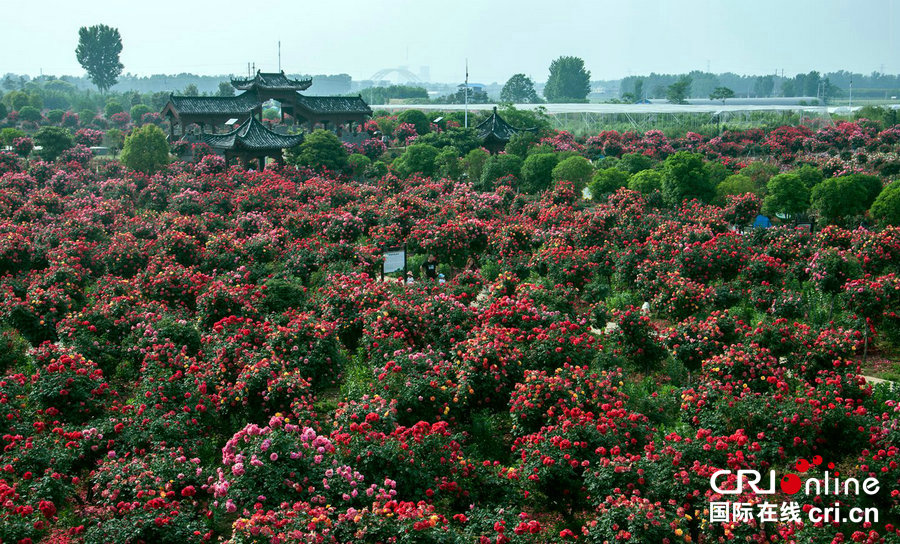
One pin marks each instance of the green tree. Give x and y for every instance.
(763, 86)
(225, 89)
(17, 100)
(138, 111)
(3, 111)
(499, 166)
(53, 141)
(55, 116)
(30, 113)
(760, 173)
(7, 135)
(569, 81)
(635, 162)
(191, 90)
(685, 177)
(537, 172)
(98, 52)
(576, 169)
(521, 143)
(474, 163)
(872, 185)
(721, 93)
(735, 184)
(786, 195)
(321, 149)
(606, 181)
(417, 118)
(357, 163)
(417, 159)
(810, 175)
(112, 107)
(836, 200)
(146, 150)
(645, 182)
(886, 208)
(519, 89)
(448, 164)
(678, 92)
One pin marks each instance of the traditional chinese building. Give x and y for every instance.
(211, 112)
(251, 141)
(495, 133)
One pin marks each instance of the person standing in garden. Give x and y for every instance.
(429, 267)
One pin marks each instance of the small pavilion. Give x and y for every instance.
(251, 141)
(495, 133)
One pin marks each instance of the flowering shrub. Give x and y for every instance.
(88, 137)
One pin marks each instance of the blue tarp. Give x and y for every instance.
(762, 222)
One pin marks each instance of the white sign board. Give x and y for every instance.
(394, 260)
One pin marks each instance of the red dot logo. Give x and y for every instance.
(790, 483)
(831, 465)
(802, 465)
(817, 460)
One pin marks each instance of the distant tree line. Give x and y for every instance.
(811, 84)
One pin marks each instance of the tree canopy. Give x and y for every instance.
(787, 195)
(685, 177)
(321, 149)
(721, 93)
(146, 150)
(678, 92)
(569, 81)
(98, 52)
(519, 89)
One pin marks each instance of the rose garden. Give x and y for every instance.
(200, 352)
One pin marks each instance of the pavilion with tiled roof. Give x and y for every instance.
(495, 132)
(251, 141)
(210, 112)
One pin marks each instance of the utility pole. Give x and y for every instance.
(467, 93)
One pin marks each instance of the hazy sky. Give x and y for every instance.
(500, 38)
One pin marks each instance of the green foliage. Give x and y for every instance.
(635, 162)
(685, 178)
(787, 194)
(55, 116)
(146, 150)
(521, 143)
(721, 93)
(646, 181)
(3, 111)
(383, 95)
(836, 200)
(114, 139)
(760, 173)
(474, 164)
(498, 166)
(7, 135)
(112, 107)
(98, 52)
(85, 116)
(678, 92)
(810, 175)
(417, 118)
(357, 163)
(606, 181)
(225, 89)
(417, 159)
(735, 184)
(30, 113)
(448, 164)
(872, 185)
(886, 208)
(321, 149)
(519, 89)
(536, 118)
(463, 139)
(569, 81)
(53, 141)
(537, 171)
(138, 111)
(717, 172)
(576, 169)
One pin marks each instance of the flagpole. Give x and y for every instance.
(467, 93)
